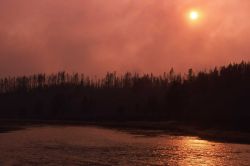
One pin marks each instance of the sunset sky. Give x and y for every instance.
(96, 36)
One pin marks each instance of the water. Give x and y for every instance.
(97, 146)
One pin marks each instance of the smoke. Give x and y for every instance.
(97, 36)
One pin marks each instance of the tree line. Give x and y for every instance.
(219, 96)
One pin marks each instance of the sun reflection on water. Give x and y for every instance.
(201, 151)
(193, 151)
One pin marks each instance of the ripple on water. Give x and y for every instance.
(97, 146)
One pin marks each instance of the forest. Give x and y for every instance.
(217, 97)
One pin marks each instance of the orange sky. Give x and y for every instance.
(96, 36)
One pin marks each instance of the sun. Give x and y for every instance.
(194, 15)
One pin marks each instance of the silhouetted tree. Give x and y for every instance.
(216, 97)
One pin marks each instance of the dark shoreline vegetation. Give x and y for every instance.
(217, 98)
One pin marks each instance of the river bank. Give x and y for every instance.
(143, 128)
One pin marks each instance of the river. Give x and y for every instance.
(83, 145)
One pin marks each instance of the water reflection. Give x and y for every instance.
(203, 152)
(96, 146)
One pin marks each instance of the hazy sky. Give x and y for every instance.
(96, 36)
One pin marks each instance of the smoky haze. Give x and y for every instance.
(96, 36)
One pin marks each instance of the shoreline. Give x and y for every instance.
(144, 128)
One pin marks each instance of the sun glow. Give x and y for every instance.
(194, 15)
